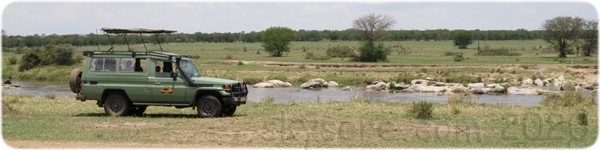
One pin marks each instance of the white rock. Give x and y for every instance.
(523, 91)
(318, 82)
(263, 85)
(419, 81)
(347, 88)
(561, 78)
(538, 82)
(332, 84)
(475, 85)
(279, 83)
(527, 82)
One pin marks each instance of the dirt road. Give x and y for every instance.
(4, 144)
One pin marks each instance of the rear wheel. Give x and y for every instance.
(116, 105)
(75, 80)
(208, 107)
(228, 110)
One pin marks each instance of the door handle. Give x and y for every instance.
(157, 83)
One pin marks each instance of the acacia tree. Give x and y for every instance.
(370, 28)
(589, 34)
(462, 39)
(561, 31)
(276, 40)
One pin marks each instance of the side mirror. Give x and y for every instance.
(174, 75)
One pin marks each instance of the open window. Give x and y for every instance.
(163, 69)
(103, 65)
(132, 65)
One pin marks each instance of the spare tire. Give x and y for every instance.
(75, 79)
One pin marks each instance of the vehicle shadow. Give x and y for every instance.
(151, 115)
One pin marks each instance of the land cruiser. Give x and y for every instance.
(127, 82)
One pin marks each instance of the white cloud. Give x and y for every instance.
(527, 11)
(508, 1)
(382, 2)
(586, 1)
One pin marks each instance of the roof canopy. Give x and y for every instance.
(136, 30)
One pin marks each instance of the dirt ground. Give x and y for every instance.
(53, 144)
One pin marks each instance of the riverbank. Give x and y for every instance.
(332, 124)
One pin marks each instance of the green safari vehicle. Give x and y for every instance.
(127, 82)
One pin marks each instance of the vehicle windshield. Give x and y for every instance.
(188, 68)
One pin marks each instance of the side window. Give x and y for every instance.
(132, 65)
(103, 65)
(163, 69)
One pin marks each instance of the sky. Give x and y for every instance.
(73, 17)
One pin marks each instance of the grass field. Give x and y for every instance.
(301, 125)
(419, 52)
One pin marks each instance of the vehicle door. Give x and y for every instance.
(165, 90)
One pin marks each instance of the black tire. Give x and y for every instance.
(117, 105)
(138, 110)
(75, 79)
(208, 107)
(228, 110)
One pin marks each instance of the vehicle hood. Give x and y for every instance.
(209, 80)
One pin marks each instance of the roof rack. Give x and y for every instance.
(134, 31)
(134, 53)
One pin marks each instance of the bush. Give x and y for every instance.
(447, 53)
(498, 52)
(252, 80)
(371, 53)
(12, 60)
(28, 61)
(582, 118)
(228, 57)
(406, 78)
(267, 99)
(458, 58)
(313, 56)
(570, 97)
(59, 55)
(421, 110)
(340, 52)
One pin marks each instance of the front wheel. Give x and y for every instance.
(228, 110)
(117, 105)
(208, 107)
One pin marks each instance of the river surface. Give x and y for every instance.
(296, 94)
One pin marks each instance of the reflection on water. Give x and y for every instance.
(295, 94)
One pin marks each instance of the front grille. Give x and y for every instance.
(239, 87)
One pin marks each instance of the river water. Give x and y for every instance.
(296, 94)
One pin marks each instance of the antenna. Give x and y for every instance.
(97, 39)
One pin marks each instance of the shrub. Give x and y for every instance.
(448, 53)
(498, 52)
(12, 60)
(228, 57)
(252, 80)
(59, 55)
(339, 52)
(267, 99)
(50, 96)
(29, 61)
(458, 58)
(582, 118)
(569, 97)
(313, 56)
(302, 67)
(240, 63)
(371, 53)
(421, 110)
(406, 78)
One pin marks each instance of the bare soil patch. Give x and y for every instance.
(87, 145)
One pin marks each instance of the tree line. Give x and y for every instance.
(92, 39)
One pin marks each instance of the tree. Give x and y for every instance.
(276, 40)
(2, 38)
(589, 34)
(462, 39)
(371, 28)
(561, 31)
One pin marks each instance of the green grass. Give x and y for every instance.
(305, 124)
(420, 52)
